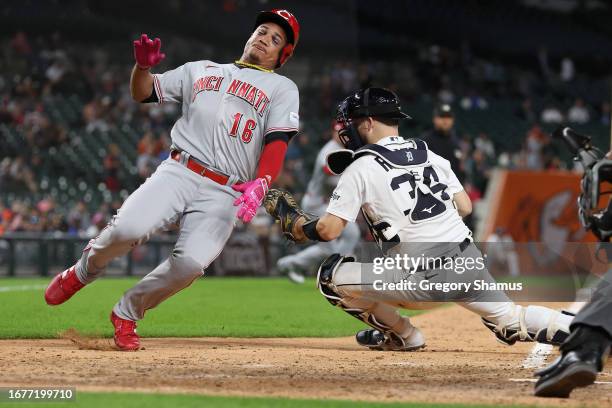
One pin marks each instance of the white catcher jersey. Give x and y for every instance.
(228, 112)
(415, 202)
(321, 182)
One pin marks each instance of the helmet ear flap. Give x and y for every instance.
(285, 53)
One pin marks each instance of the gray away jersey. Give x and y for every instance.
(228, 112)
(419, 212)
(322, 182)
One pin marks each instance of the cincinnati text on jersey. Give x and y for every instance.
(251, 94)
(207, 83)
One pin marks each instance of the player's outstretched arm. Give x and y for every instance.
(297, 225)
(147, 54)
(326, 228)
(463, 203)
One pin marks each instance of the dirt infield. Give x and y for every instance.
(462, 363)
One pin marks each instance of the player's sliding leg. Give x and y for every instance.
(511, 322)
(205, 228)
(339, 280)
(155, 204)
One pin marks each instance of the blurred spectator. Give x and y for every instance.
(46, 205)
(526, 112)
(111, 168)
(578, 113)
(604, 112)
(502, 250)
(5, 218)
(147, 162)
(98, 222)
(78, 219)
(145, 142)
(94, 118)
(543, 63)
(20, 44)
(485, 145)
(478, 171)
(551, 114)
(445, 94)
(567, 70)
(473, 101)
(15, 174)
(164, 145)
(533, 148)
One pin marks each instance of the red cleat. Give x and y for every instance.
(125, 333)
(62, 287)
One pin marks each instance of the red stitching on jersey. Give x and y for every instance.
(157, 85)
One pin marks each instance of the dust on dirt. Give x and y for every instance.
(84, 342)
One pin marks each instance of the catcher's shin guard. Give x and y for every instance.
(325, 276)
(509, 332)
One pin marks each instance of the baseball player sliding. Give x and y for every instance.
(228, 146)
(414, 205)
(315, 201)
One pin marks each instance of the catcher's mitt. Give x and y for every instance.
(281, 205)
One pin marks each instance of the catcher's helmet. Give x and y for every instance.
(289, 23)
(377, 102)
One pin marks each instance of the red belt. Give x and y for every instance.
(200, 169)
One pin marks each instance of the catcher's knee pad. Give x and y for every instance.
(514, 328)
(325, 278)
(325, 275)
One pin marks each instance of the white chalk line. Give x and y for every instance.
(532, 380)
(540, 352)
(537, 356)
(21, 288)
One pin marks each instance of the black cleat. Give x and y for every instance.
(376, 340)
(583, 356)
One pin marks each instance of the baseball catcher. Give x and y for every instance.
(413, 204)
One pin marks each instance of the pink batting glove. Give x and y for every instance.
(253, 193)
(146, 52)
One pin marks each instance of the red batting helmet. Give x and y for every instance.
(289, 23)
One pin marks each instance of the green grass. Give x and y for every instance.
(236, 307)
(132, 400)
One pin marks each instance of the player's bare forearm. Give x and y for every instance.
(141, 84)
(298, 232)
(463, 203)
(329, 227)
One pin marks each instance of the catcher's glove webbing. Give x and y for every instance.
(281, 205)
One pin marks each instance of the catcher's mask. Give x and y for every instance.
(597, 175)
(591, 190)
(369, 102)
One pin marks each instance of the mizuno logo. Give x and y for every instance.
(428, 210)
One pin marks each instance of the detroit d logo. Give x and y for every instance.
(409, 156)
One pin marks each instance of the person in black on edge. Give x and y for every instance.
(443, 140)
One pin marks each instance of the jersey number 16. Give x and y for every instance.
(247, 131)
